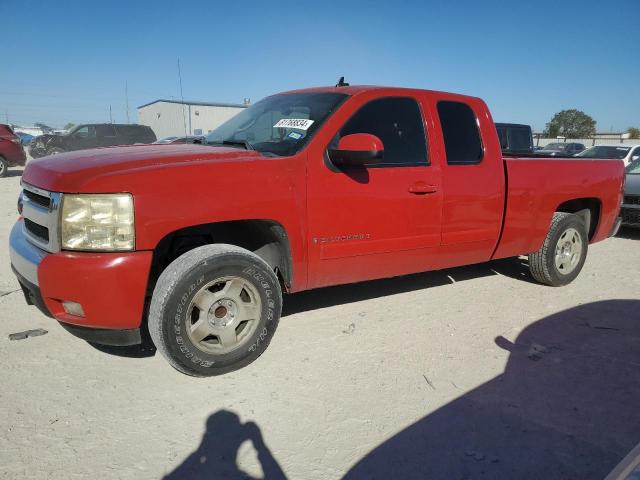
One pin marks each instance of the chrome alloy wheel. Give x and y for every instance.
(568, 251)
(223, 315)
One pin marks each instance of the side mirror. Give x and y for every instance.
(635, 157)
(357, 149)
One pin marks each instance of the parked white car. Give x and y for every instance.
(624, 152)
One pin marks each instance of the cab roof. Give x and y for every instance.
(357, 89)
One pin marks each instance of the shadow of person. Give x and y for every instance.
(566, 407)
(215, 457)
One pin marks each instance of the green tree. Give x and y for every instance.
(571, 124)
(69, 126)
(634, 133)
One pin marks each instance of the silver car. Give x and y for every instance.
(630, 211)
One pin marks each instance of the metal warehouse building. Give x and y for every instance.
(170, 118)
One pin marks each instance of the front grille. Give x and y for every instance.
(37, 230)
(36, 198)
(630, 216)
(41, 210)
(631, 200)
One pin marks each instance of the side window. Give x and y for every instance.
(502, 135)
(87, 131)
(105, 131)
(461, 135)
(398, 123)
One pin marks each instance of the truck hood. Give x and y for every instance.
(73, 171)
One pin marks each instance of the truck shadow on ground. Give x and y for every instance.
(216, 455)
(516, 268)
(564, 408)
(629, 233)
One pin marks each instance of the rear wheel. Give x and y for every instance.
(4, 167)
(563, 252)
(214, 310)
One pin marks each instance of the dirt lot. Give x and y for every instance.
(467, 373)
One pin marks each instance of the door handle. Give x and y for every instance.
(422, 189)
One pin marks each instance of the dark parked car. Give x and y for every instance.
(561, 149)
(515, 137)
(91, 136)
(174, 140)
(630, 210)
(11, 151)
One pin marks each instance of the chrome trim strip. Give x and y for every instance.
(25, 257)
(31, 188)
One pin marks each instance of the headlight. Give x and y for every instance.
(98, 222)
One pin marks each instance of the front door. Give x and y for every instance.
(379, 220)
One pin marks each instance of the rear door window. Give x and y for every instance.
(461, 134)
(520, 139)
(105, 131)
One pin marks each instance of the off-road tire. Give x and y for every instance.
(178, 285)
(4, 167)
(542, 263)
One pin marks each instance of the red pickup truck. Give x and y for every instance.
(304, 189)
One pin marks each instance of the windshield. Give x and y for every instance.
(633, 168)
(605, 152)
(556, 146)
(279, 125)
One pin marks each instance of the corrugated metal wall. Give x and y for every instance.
(173, 119)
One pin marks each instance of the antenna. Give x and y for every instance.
(126, 99)
(184, 121)
(342, 83)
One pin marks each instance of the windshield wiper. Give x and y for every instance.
(242, 143)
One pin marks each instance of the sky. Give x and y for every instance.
(69, 61)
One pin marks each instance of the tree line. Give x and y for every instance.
(577, 124)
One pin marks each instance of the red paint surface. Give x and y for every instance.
(342, 227)
(109, 286)
(10, 148)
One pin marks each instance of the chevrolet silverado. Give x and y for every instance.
(304, 189)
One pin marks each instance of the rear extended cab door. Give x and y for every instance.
(473, 179)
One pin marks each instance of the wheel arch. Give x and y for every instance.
(266, 238)
(589, 209)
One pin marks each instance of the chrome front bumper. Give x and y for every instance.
(25, 256)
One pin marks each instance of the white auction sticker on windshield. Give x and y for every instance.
(297, 123)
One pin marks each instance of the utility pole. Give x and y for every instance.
(184, 121)
(110, 115)
(126, 99)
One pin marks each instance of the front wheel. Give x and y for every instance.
(563, 253)
(214, 310)
(4, 167)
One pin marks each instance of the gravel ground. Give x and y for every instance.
(472, 372)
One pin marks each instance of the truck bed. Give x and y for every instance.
(539, 186)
